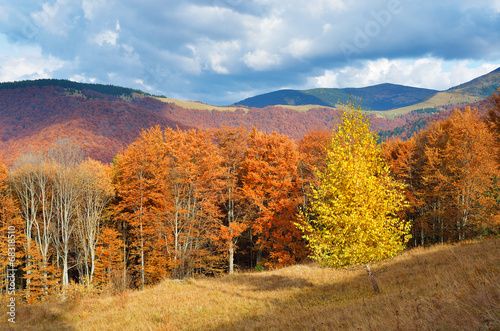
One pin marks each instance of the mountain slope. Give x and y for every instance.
(398, 99)
(72, 87)
(106, 119)
(475, 90)
(33, 117)
(377, 97)
(282, 97)
(389, 96)
(481, 87)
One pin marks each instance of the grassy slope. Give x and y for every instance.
(198, 105)
(450, 287)
(203, 106)
(439, 99)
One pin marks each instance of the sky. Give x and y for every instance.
(222, 51)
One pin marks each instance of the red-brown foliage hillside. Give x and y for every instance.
(33, 117)
(36, 116)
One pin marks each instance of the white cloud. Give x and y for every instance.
(425, 73)
(216, 61)
(20, 62)
(106, 37)
(323, 7)
(78, 78)
(261, 60)
(206, 15)
(90, 7)
(265, 32)
(268, 44)
(496, 5)
(327, 80)
(46, 15)
(220, 57)
(299, 48)
(29, 66)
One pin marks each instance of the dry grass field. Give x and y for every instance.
(199, 105)
(445, 287)
(439, 99)
(204, 106)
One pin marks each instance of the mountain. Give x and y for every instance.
(482, 87)
(473, 91)
(72, 87)
(397, 98)
(377, 97)
(34, 114)
(105, 119)
(282, 97)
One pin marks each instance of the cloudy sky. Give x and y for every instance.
(222, 51)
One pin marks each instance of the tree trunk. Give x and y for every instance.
(258, 259)
(231, 257)
(372, 279)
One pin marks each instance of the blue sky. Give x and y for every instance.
(222, 51)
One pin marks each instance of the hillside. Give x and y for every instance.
(395, 99)
(32, 117)
(282, 97)
(72, 87)
(445, 287)
(105, 119)
(481, 87)
(377, 97)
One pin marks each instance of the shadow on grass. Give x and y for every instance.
(447, 287)
(44, 316)
(264, 282)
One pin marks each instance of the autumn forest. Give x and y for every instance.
(180, 201)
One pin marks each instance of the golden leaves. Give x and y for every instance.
(352, 216)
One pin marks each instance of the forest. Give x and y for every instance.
(182, 202)
(105, 123)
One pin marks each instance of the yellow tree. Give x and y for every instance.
(353, 219)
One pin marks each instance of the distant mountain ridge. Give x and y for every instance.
(283, 97)
(105, 119)
(72, 85)
(482, 86)
(379, 97)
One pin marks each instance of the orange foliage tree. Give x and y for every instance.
(109, 260)
(450, 173)
(11, 232)
(312, 149)
(132, 180)
(493, 118)
(232, 146)
(271, 187)
(168, 183)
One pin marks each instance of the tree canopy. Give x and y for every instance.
(352, 219)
